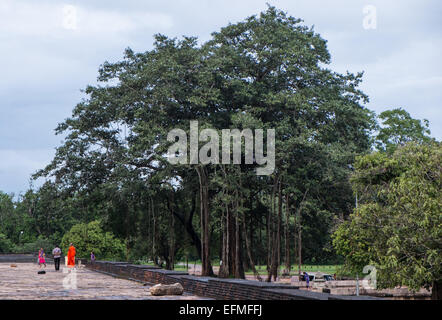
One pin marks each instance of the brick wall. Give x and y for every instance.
(217, 288)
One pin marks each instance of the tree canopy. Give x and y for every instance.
(265, 72)
(398, 226)
(398, 127)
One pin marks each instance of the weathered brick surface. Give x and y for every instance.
(23, 283)
(223, 289)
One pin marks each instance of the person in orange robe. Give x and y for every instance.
(71, 256)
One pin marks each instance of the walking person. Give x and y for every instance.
(307, 279)
(92, 257)
(57, 255)
(41, 258)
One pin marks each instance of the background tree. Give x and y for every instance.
(398, 226)
(90, 237)
(398, 127)
(6, 245)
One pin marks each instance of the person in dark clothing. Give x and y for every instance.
(57, 255)
(307, 279)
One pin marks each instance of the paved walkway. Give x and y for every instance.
(22, 282)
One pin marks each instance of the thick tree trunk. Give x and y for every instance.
(186, 221)
(273, 269)
(436, 290)
(168, 263)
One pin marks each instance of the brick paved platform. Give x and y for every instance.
(23, 283)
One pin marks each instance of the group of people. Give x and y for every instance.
(56, 253)
(306, 278)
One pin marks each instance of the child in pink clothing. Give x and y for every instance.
(41, 257)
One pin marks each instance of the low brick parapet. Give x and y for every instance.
(217, 288)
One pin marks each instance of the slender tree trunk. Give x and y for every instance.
(238, 262)
(221, 241)
(224, 268)
(172, 237)
(231, 241)
(295, 237)
(299, 246)
(251, 231)
(268, 234)
(248, 249)
(278, 236)
(260, 244)
(239, 265)
(273, 236)
(206, 266)
(148, 222)
(126, 221)
(269, 242)
(299, 218)
(287, 235)
(154, 232)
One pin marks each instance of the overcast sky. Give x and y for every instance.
(50, 50)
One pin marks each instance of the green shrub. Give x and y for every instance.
(91, 237)
(33, 247)
(6, 245)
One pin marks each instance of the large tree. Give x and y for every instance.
(266, 72)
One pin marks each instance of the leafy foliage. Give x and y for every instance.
(398, 227)
(6, 245)
(91, 237)
(398, 128)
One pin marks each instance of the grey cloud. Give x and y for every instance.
(44, 66)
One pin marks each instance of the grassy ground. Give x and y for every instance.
(328, 269)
